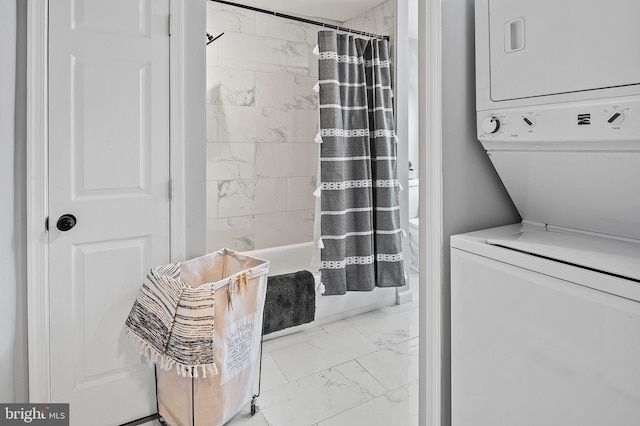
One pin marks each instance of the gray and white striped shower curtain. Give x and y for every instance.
(359, 215)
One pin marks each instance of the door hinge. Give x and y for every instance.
(46, 223)
(169, 24)
(170, 189)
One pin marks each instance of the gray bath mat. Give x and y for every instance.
(290, 301)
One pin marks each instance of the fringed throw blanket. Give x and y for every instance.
(171, 323)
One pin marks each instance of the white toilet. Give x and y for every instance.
(414, 223)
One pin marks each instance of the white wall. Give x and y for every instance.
(195, 128)
(13, 319)
(473, 195)
(8, 281)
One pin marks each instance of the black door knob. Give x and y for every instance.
(66, 222)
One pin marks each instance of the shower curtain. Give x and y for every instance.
(360, 234)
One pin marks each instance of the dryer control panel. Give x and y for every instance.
(613, 119)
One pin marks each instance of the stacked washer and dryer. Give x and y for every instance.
(545, 314)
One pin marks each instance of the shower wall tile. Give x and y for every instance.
(252, 52)
(275, 90)
(284, 29)
(228, 18)
(303, 94)
(388, 15)
(212, 123)
(313, 61)
(271, 195)
(361, 22)
(236, 233)
(298, 60)
(231, 87)
(378, 20)
(278, 229)
(286, 159)
(236, 197)
(286, 91)
(243, 124)
(227, 161)
(212, 49)
(251, 196)
(300, 193)
(270, 26)
(304, 125)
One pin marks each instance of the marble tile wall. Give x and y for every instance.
(378, 20)
(261, 122)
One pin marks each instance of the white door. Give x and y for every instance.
(109, 168)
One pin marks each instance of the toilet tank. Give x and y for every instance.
(414, 197)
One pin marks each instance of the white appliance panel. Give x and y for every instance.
(610, 256)
(611, 120)
(529, 349)
(547, 47)
(589, 190)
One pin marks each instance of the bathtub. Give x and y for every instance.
(297, 257)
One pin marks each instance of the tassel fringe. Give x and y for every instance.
(165, 363)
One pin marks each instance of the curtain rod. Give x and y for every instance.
(307, 21)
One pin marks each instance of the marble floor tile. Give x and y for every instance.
(405, 307)
(244, 418)
(394, 366)
(272, 377)
(364, 318)
(338, 326)
(292, 339)
(367, 317)
(397, 408)
(317, 354)
(320, 396)
(391, 329)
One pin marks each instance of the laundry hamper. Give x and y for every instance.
(208, 354)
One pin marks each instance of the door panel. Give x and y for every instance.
(111, 138)
(109, 167)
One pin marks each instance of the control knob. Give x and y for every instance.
(529, 121)
(616, 118)
(490, 124)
